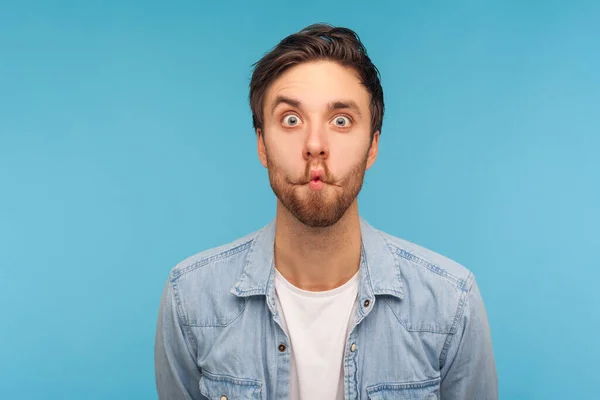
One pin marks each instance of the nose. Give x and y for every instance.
(316, 145)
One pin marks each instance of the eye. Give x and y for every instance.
(291, 120)
(341, 121)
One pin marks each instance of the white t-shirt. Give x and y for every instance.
(318, 324)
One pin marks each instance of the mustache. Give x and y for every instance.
(305, 179)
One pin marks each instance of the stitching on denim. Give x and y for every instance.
(396, 263)
(225, 254)
(440, 332)
(250, 292)
(197, 325)
(249, 265)
(403, 386)
(469, 286)
(368, 276)
(457, 317)
(431, 267)
(254, 385)
(192, 338)
(270, 280)
(231, 379)
(346, 377)
(182, 318)
(348, 362)
(347, 365)
(355, 380)
(391, 292)
(178, 303)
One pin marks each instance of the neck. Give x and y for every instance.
(317, 259)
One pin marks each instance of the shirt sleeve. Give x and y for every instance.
(176, 372)
(469, 369)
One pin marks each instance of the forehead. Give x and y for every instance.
(316, 84)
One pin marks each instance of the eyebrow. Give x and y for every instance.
(332, 106)
(285, 100)
(345, 105)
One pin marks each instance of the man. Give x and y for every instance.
(318, 304)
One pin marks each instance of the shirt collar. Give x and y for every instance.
(379, 271)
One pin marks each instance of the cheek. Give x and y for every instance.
(346, 156)
(285, 155)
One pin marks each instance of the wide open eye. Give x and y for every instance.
(291, 120)
(341, 121)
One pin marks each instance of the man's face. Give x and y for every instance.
(316, 140)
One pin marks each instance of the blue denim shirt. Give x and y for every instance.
(420, 330)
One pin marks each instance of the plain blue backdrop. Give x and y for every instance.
(126, 145)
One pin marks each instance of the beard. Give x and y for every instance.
(317, 208)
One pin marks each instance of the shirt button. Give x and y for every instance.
(366, 303)
(282, 347)
(353, 347)
(223, 397)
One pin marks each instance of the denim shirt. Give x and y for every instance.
(420, 329)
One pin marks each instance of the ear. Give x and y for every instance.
(262, 150)
(372, 156)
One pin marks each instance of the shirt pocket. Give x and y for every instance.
(220, 387)
(425, 390)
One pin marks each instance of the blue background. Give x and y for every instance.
(126, 145)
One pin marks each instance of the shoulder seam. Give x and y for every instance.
(177, 273)
(436, 269)
(182, 318)
(460, 310)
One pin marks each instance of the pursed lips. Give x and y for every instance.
(316, 175)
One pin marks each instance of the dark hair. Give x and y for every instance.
(317, 42)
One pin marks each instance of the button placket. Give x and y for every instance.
(350, 365)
